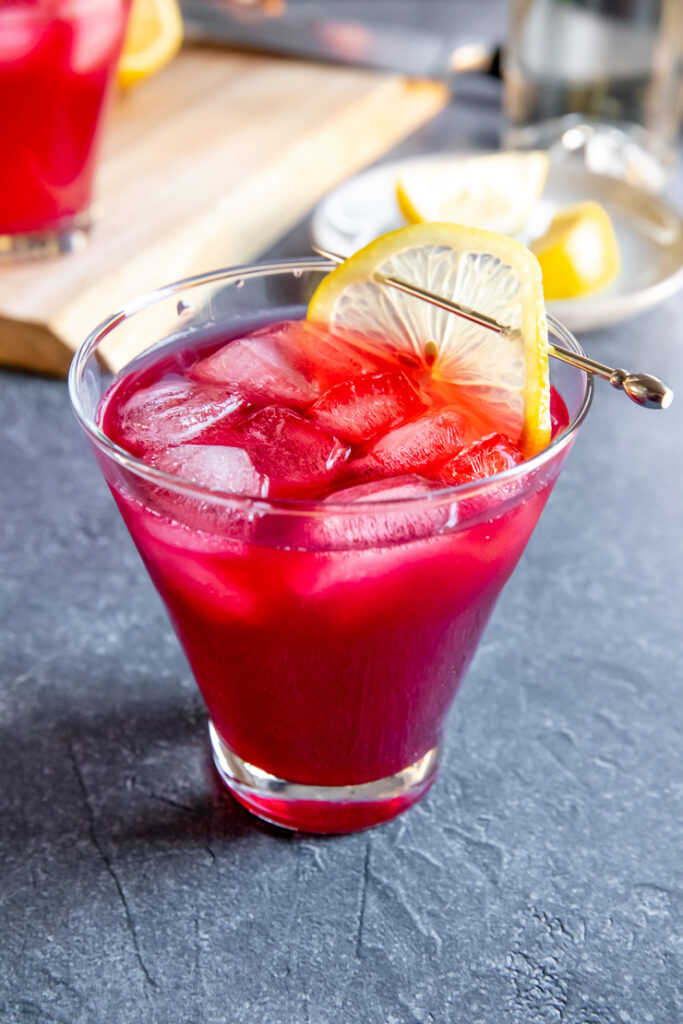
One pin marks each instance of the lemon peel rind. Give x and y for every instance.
(136, 65)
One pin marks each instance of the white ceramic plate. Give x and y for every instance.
(649, 233)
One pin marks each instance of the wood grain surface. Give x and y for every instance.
(203, 166)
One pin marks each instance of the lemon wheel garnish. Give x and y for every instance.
(153, 37)
(578, 253)
(502, 378)
(496, 191)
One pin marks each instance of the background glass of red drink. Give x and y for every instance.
(57, 62)
(328, 640)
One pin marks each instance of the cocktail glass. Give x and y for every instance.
(328, 639)
(57, 62)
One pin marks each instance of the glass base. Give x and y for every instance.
(70, 235)
(322, 809)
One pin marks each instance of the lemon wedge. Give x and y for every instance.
(153, 37)
(496, 191)
(502, 379)
(578, 253)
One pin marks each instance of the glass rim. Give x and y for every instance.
(291, 505)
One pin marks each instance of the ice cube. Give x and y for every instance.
(337, 355)
(96, 35)
(389, 489)
(376, 526)
(298, 457)
(21, 35)
(358, 410)
(415, 447)
(172, 412)
(290, 363)
(492, 454)
(267, 367)
(219, 467)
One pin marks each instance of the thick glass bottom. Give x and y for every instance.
(70, 235)
(322, 809)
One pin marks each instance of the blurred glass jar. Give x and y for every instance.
(591, 63)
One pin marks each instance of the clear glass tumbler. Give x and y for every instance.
(57, 62)
(328, 639)
(612, 68)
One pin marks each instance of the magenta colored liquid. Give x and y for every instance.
(319, 665)
(57, 60)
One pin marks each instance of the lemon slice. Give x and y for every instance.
(501, 378)
(496, 191)
(154, 35)
(578, 253)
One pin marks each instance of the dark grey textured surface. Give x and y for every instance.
(540, 881)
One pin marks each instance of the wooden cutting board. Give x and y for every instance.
(205, 165)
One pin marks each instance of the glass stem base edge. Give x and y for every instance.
(322, 809)
(68, 236)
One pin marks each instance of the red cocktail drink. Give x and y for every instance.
(318, 523)
(57, 60)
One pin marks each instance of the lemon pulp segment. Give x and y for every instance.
(496, 191)
(578, 253)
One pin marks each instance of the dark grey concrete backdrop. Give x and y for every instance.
(541, 880)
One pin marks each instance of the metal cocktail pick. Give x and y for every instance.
(641, 388)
